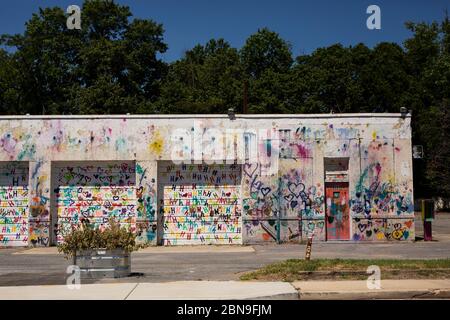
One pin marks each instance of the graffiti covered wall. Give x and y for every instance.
(14, 218)
(383, 190)
(200, 204)
(95, 206)
(146, 219)
(93, 192)
(75, 167)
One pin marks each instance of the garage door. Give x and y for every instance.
(94, 192)
(13, 204)
(201, 204)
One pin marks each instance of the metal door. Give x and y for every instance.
(338, 217)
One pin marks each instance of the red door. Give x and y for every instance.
(338, 217)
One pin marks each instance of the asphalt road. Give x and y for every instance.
(165, 265)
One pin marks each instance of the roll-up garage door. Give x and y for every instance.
(201, 203)
(94, 192)
(13, 204)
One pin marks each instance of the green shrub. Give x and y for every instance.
(86, 237)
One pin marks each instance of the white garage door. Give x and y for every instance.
(13, 204)
(201, 204)
(94, 192)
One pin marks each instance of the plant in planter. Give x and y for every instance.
(100, 253)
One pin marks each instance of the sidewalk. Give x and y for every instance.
(390, 289)
(181, 290)
(222, 290)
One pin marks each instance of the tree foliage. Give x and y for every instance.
(111, 65)
(207, 79)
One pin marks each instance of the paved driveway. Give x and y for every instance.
(45, 266)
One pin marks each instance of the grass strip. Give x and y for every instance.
(297, 269)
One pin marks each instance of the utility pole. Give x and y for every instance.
(245, 100)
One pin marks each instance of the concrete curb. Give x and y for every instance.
(357, 290)
(356, 295)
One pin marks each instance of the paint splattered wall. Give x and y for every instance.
(286, 204)
(383, 190)
(39, 204)
(146, 185)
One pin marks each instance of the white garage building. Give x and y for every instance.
(210, 179)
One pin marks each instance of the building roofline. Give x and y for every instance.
(205, 116)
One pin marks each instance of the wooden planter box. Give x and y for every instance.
(101, 263)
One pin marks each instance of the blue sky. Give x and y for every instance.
(307, 25)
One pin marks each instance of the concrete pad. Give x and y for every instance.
(197, 249)
(214, 290)
(38, 251)
(390, 289)
(113, 291)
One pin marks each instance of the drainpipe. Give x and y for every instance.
(279, 213)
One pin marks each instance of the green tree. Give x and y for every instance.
(433, 128)
(266, 59)
(111, 65)
(429, 54)
(383, 79)
(9, 90)
(266, 50)
(208, 79)
(328, 80)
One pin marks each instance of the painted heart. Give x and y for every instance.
(294, 204)
(296, 188)
(250, 169)
(289, 198)
(265, 191)
(362, 227)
